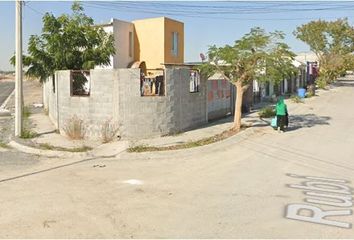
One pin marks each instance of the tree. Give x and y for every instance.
(67, 42)
(256, 56)
(333, 44)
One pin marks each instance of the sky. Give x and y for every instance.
(205, 22)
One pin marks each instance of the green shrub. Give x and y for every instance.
(267, 112)
(26, 134)
(309, 94)
(322, 84)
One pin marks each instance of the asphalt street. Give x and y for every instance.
(6, 89)
(297, 184)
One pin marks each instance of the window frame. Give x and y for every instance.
(196, 80)
(88, 77)
(175, 42)
(131, 42)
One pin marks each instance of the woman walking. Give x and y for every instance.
(281, 112)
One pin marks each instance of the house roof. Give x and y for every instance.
(110, 23)
(304, 57)
(297, 63)
(216, 76)
(143, 19)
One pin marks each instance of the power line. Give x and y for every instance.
(34, 10)
(229, 8)
(230, 11)
(120, 7)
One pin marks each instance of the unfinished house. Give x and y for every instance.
(114, 97)
(146, 91)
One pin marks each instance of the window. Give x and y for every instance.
(194, 81)
(174, 49)
(130, 44)
(80, 83)
(153, 83)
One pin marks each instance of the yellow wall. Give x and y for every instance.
(149, 41)
(174, 26)
(153, 41)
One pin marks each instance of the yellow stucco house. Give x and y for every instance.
(159, 40)
(155, 41)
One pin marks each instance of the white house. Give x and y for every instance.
(123, 33)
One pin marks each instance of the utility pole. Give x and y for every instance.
(18, 87)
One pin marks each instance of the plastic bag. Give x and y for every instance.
(274, 122)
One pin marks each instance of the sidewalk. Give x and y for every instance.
(48, 140)
(51, 144)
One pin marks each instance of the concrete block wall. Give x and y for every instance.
(140, 116)
(50, 98)
(189, 109)
(149, 116)
(95, 109)
(115, 95)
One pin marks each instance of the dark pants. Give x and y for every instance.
(287, 120)
(281, 121)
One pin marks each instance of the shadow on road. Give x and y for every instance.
(54, 168)
(306, 120)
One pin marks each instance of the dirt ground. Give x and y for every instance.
(32, 93)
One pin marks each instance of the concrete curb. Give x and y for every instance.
(237, 137)
(41, 152)
(104, 150)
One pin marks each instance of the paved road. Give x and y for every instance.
(6, 89)
(238, 188)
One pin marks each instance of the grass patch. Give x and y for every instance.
(267, 112)
(47, 146)
(309, 95)
(190, 144)
(296, 99)
(26, 112)
(27, 134)
(77, 149)
(4, 145)
(173, 134)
